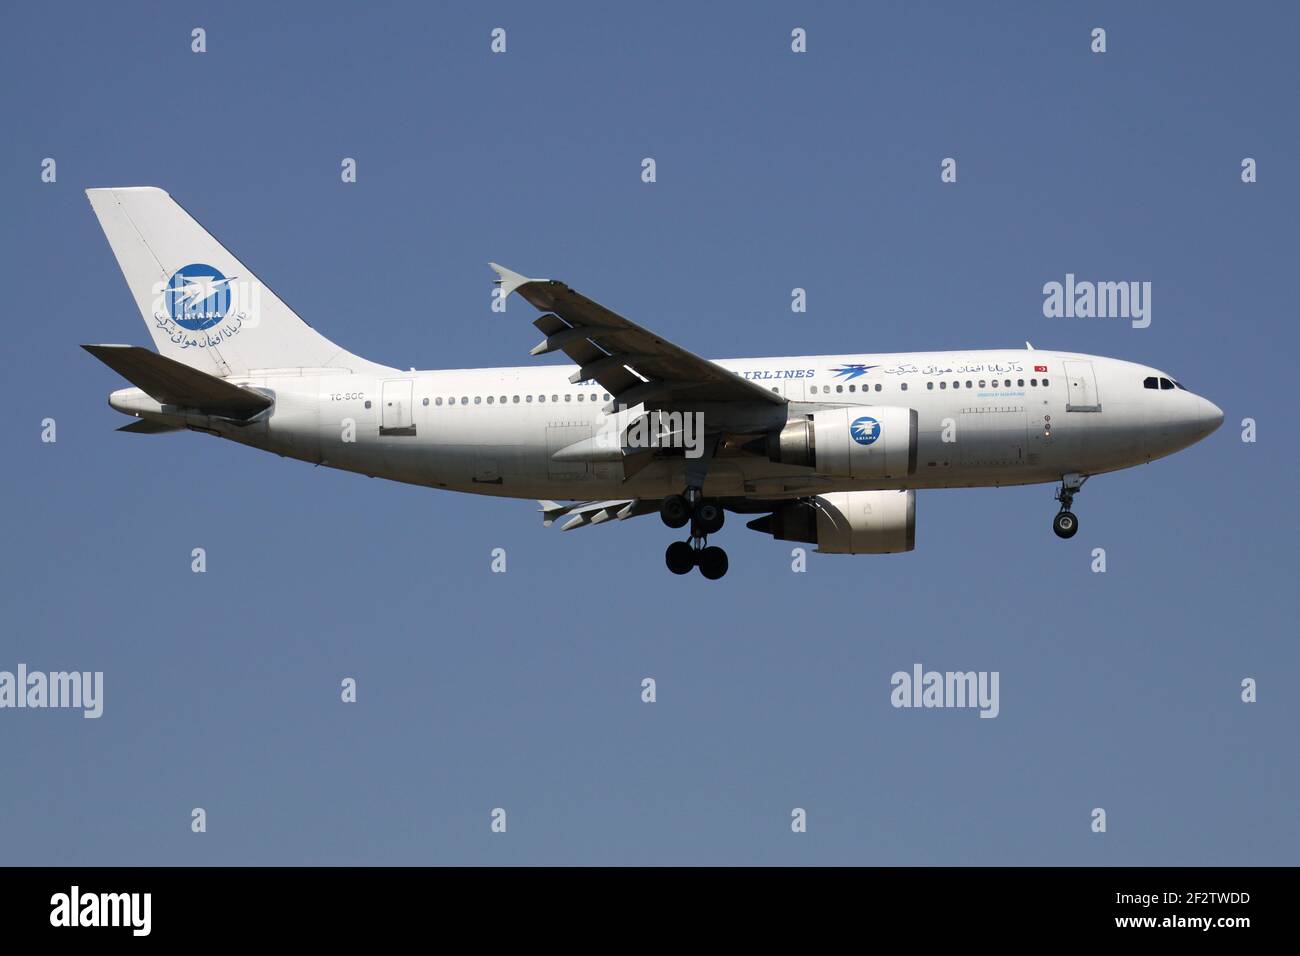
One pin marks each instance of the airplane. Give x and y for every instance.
(825, 449)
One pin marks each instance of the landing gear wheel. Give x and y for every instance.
(713, 563)
(680, 557)
(709, 518)
(1065, 524)
(675, 512)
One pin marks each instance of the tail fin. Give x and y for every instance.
(203, 306)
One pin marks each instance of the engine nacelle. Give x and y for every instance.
(847, 522)
(872, 441)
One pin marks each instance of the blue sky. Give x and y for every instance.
(522, 691)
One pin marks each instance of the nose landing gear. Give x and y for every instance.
(706, 518)
(1065, 524)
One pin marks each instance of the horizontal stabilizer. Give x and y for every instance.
(173, 383)
(146, 427)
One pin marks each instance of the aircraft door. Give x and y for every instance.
(1081, 388)
(396, 416)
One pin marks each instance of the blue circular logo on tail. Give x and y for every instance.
(197, 296)
(865, 430)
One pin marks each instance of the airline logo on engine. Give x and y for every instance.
(865, 430)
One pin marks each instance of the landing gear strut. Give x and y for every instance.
(1065, 524)
(705, 518)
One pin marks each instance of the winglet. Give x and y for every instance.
(507, 280)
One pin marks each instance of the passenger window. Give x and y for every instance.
(877, 386)
(515, 399)
(981, 383)
(489, 399)
(852, 388)
(464, 399)
(425, 402)
(1020, 383)
(903, 387)
(478, 399)
(437, 401)
(528, 398)
(968, 383)
(929, 385)
(943, 384)
(568, 398)
(607, 396)
(839, 388)
(580, 396)
(541, 398)
(1044, 383)
(555, 398)
(1165, 384)
(1033, 383)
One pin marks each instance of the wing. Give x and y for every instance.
(633, 364)
(594, 512)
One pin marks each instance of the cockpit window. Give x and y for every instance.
(1150, 382)
(1166, 384)
(1178, 384)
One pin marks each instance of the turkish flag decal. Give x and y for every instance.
(1040, 368)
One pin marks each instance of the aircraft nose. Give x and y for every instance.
(1211, 416)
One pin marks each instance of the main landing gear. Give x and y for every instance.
(1065, 524)
(705, 518)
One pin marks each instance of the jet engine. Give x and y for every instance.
(847, 522)
(870, 441)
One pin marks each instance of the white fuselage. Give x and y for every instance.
(984, 418)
